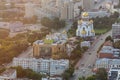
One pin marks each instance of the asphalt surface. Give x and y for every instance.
(89, 60)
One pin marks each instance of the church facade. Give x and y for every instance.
(85, 26)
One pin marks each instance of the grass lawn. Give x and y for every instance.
(3, 33)
(101, 31)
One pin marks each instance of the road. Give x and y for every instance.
(27, 53)
(89, 59)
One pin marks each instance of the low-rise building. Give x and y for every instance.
(9, 74)
(114, 74)
(106, 52)
(54, 43)
(109, 52)
(85, 44)
(98, 13)
(45, 66)
(107, 63)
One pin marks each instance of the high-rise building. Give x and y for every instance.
(116, 31)
(67, 11)
(29, 10)
(87, 4)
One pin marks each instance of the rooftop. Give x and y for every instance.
(56, 38)
(8, 72)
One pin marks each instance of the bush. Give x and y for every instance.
(27, 73)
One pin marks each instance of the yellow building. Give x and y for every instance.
(46, 48)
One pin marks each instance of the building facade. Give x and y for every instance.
(45, 66)
(54, 43)
(107, 63)
(67, 10)
(85, 26)
(87, 5)
(116, 31)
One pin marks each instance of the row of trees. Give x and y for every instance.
(68, 73)
(118, 6)
(101, 74)
(105, 22)
(99, 23)
(27, 73)
(117, 44)
(11, 47)
(37, 35)
(77, 53)
(54, 23)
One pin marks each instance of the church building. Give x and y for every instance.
(85, 26)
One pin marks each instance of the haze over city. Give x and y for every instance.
(59, 39)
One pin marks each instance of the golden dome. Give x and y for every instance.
(93, 31)
(80, 21)
(85, 14)
(91, 21)
(64, 32)
(83, 32)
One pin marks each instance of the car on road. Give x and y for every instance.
(82, 64)
(89, 66)
(89, 53)
(83, 71)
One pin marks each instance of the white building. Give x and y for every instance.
(85, 26)
(116, 31)
(9, 74)
(46, 66)
(107, 49)
(29, 10)
(67, 10)
(107, 63)
(85, 44)
(98, 13)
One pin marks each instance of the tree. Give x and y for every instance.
(82, 78)
(68, 73)
(118, 6)
(101, 74)
(54, 23)
(91, 78)
(46, 22)
(109, 38)
(4, 33)
(21, 73)
(117, 44)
